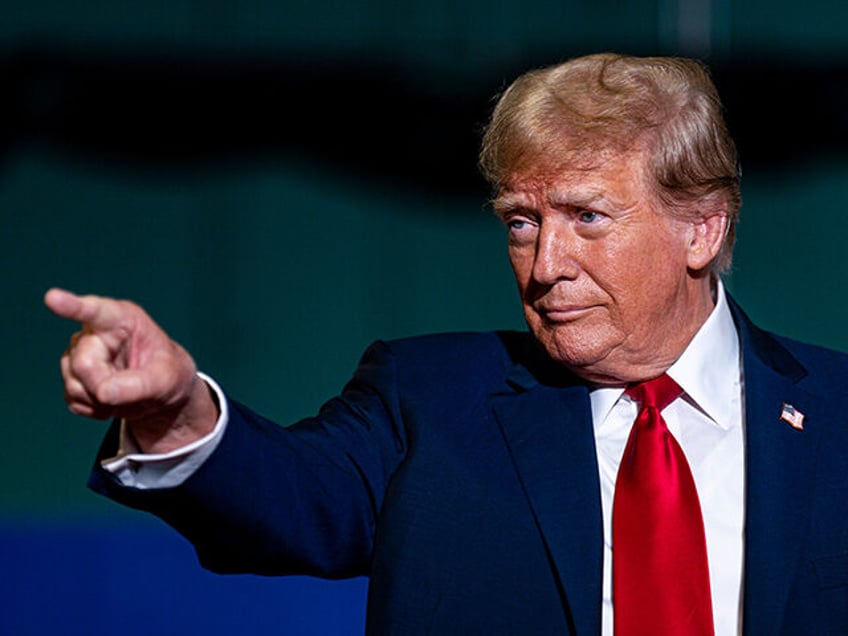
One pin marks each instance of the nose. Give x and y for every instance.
(556, 247)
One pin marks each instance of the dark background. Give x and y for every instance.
(280, 183)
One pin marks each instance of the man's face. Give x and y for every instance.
(603, 273)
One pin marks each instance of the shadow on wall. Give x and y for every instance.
(366, 117)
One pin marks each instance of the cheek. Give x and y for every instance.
(644, 288)
(522, 268)
(639, 265)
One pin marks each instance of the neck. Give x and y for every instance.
(662, 345)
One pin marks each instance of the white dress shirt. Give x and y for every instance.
(707, 423)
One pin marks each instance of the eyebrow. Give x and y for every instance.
(576, 198)
(507, 202)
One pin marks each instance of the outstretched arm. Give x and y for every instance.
(268, 499)
(121, 364)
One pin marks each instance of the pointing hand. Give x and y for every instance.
(122, 364)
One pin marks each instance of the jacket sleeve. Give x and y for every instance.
(296, 500)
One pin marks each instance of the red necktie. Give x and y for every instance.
(661, 582)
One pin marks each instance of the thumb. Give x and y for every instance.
(161, 381)
(124, 387)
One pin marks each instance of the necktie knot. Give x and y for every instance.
(658, 393)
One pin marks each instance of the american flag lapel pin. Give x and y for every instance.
(792, 416)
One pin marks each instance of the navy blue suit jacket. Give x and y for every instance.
(459, 473)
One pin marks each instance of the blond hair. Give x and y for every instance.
(668, 108)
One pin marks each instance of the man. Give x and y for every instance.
(481, 480)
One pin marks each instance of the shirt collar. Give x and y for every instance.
(708, 370)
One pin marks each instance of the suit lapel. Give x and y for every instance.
(780, 465)
(549, 434)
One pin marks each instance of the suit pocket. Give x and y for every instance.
(832, 571)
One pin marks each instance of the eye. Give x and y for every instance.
(520, 228)
(587, 216)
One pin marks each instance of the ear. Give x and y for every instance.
(705, 239)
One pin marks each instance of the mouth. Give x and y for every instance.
(564, 313)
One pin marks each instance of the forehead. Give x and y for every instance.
(614, 178)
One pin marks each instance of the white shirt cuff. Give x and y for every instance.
(135, 469)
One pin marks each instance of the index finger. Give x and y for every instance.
(95, 311)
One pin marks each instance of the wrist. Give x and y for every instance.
(166, 432)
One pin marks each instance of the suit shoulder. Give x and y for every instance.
(806, 350)
(815, 357)
(502, 347)
(811, 364)
(479, 355)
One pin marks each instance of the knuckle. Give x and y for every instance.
(83, 364)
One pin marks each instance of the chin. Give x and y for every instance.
(585, 354)
(570, 353)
